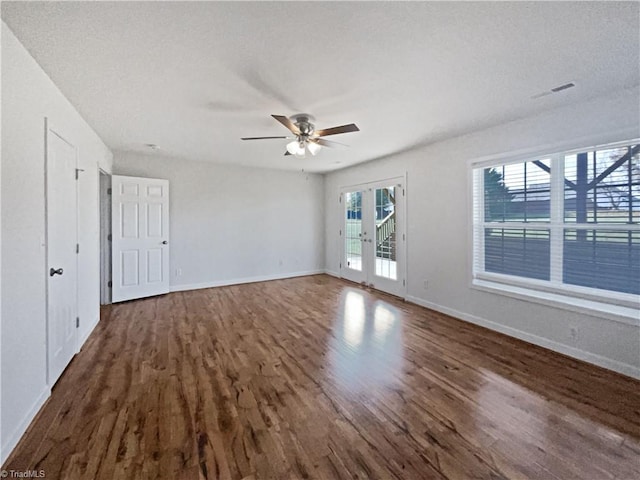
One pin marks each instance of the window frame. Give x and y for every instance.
(612, 304)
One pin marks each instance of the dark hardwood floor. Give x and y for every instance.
(315, 377)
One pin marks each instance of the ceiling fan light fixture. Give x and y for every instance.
(294, 148)
(313, 148)
(307, 138)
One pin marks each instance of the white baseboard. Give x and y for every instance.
(12, 440)
(332, 273)
(238, 281)
(88, 332)
(624, 368)
(10, 443)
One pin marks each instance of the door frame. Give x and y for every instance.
(104, 212)
(401, 201)
(49, 127)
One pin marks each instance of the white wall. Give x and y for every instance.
(28, 96)
(439, 226)
(1, 270)
(234, 224)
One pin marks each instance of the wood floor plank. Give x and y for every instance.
(315, 377)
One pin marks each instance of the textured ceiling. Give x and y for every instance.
(194, 77)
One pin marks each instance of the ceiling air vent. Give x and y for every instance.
(554, 90)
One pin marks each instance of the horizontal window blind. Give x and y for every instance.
(517, 251)
(604, 259)
(566, 219)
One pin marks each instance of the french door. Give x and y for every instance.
(373, 235)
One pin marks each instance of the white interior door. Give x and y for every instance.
(374, 236)
(62, 268)
(140, 237)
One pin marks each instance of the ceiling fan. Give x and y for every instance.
(307, 138)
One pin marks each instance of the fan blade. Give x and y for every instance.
(326, 143)
(287, 153)
(259, 138)
(336, 130)
(287, 123)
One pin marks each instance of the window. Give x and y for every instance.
(566, 223)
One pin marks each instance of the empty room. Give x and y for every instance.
(320, 240)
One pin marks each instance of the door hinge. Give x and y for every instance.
(77, 248)
(78, 170)
(108, 191)
(403, 192)
(109, 237)
(403, 237)
(340, 232)
(404, 284)
(77, 322)
(109, 284)
(340, 264)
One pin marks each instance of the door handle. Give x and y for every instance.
(53, 271)
(164, 242)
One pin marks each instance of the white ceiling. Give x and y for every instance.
(194, 77)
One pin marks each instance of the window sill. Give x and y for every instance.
(626, 315)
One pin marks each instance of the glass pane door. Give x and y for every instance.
(373, 240)
(353, 239)
(385, 234)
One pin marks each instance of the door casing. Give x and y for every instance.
(367, 275)
(64, 256)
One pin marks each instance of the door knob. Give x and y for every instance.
(164, 242)
(53, 271)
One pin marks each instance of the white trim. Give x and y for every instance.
(12, 440)
(239, 281)
(556, 217)
(562, 290)
(365, 185)
(89, 331)
(616, 313)
(393, 287)
(604, 362)
(104, 215)
(332, 273)
(552, 289)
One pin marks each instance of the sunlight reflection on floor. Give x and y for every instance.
(367, 348)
